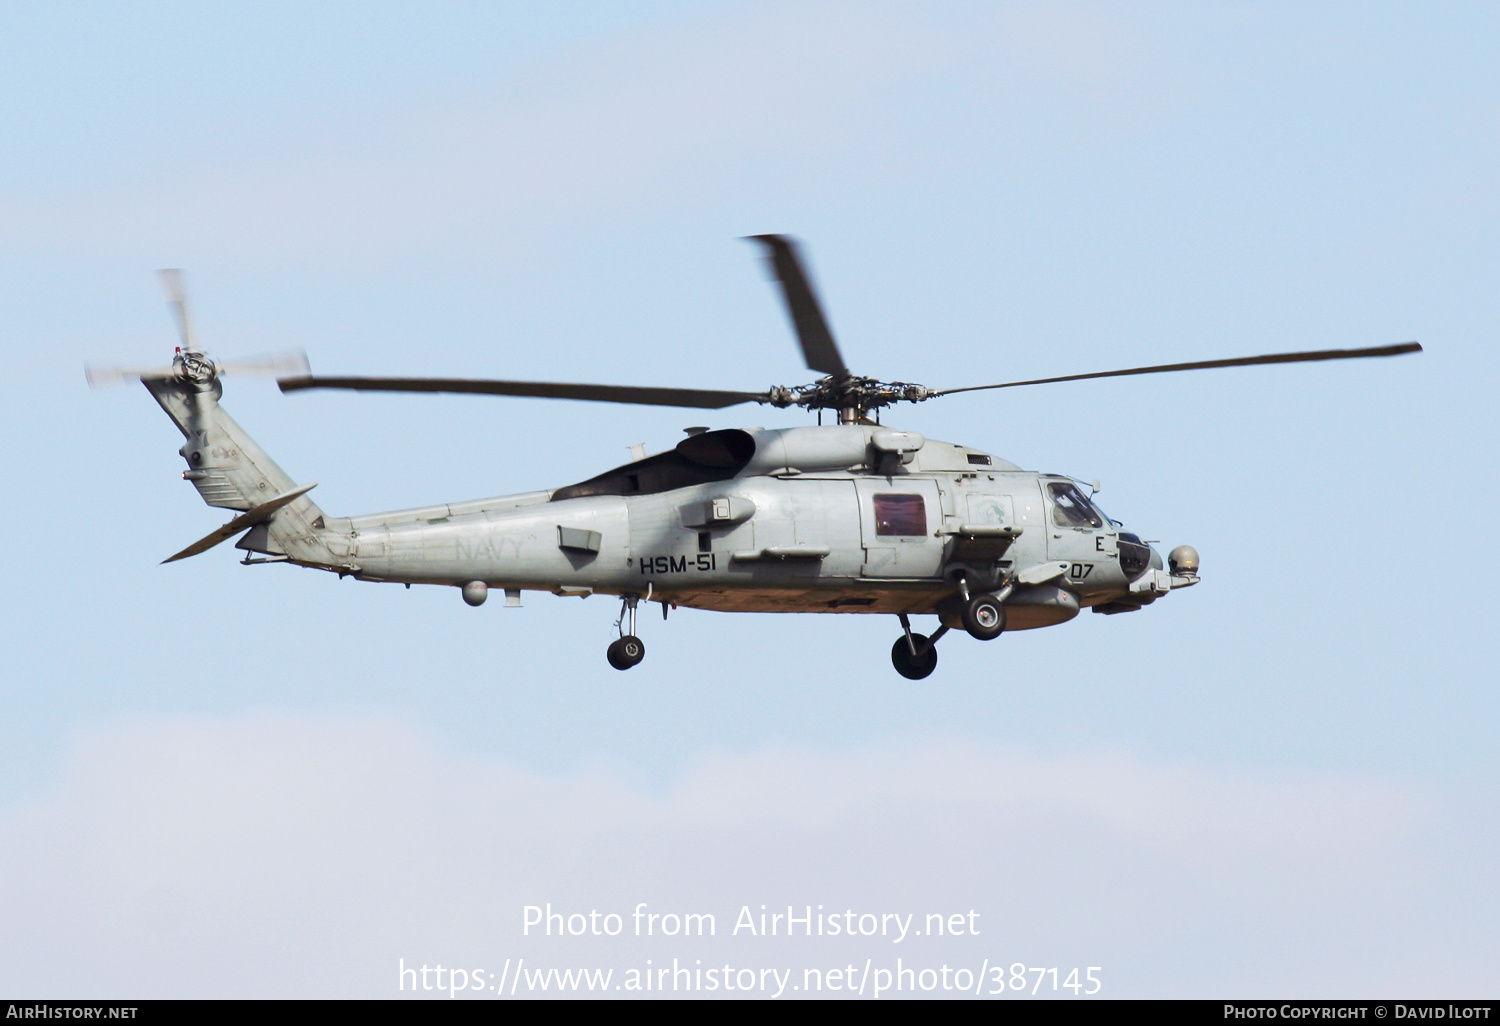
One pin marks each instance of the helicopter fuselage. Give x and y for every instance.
(847, 518)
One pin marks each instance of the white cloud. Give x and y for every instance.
(276, 855)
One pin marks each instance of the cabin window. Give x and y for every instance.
(902, 515)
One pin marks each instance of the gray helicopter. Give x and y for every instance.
(848, 517)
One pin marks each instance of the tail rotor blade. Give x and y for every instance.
(818, 347)
(105, 377)
(290, 364)
(171, 279)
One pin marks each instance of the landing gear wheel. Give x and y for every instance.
(984, 617)
(623, 653)
(914, 667)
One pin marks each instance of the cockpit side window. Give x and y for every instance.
(1070, 508)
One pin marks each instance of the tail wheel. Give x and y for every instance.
(914, 667)
(984, 617)
(623, 653)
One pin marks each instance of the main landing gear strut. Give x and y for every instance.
(983, 616)
(627, 650)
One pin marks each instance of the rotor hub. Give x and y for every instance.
(847, 392)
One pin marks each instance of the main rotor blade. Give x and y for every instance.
(695, 397)
(1243, 361)
(818, 347)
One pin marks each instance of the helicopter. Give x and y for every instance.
(849, 517)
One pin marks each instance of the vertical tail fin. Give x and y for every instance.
(231, 471)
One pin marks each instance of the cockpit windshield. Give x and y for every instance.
(1100, 510)
(1070, 508)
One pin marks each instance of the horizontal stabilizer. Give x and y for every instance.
(245, 520)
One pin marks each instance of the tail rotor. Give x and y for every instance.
(190, 363)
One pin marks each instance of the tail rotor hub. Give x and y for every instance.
(194, 367)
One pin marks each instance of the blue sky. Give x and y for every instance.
(986, 192)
